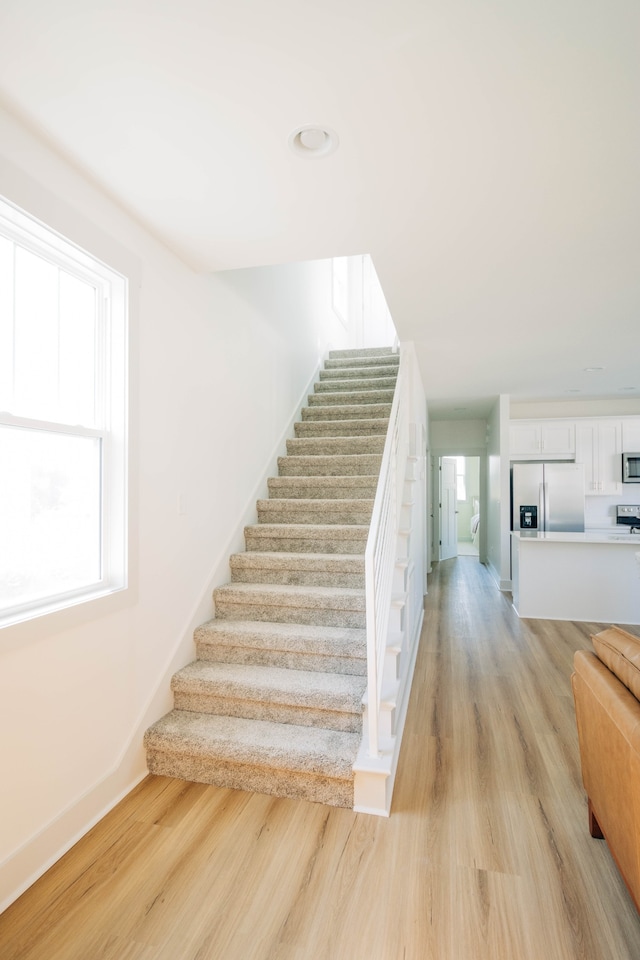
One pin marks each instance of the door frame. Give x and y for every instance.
(434, 512)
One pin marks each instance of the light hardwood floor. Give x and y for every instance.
(486, 855)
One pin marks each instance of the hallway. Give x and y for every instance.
(486, 855)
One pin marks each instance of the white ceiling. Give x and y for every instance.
(489, 160)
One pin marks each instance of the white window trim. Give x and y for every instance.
(113, 401)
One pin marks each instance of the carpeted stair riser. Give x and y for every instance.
(358, 373)
(300, 716)
(334, 446)
(350, 398)
(360, 384)
(310, 603)
(342, 428)
(322, 488)
(294, 646)
(278, 759)
(324, 606)
(307, 538)
(262, 778)
(331, 701)
(314, 511)
(389, 361)
(317, 465)
(347, 411)
(314, 570)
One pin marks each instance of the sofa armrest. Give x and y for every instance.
(608, 718)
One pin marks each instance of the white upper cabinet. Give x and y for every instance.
(599, 447)
(524, 439)
(540, 439)
(558, 438)
(631, 435)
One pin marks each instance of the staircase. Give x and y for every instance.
(273, 703)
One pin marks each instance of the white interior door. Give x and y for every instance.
(448, 509)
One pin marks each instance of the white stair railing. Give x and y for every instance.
(381, 552)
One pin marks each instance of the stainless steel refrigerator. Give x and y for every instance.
(547, 497)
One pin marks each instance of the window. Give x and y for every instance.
(461, 478)
(63, 406)
(340, 287)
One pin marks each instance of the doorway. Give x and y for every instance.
(459, 507)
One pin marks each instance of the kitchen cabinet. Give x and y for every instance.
(599, 447)
(539, 439)
(631, 435)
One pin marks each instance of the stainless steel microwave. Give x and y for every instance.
(631, 467)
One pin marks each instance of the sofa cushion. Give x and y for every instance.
(620, 652)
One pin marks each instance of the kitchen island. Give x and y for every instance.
(577, 576)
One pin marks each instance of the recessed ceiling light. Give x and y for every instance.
(313, 140)
(573, 390)
(593, 369)
(630, 389)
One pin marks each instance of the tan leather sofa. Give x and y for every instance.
(606, 690)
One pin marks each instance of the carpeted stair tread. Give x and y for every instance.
(322, 488)
(341, 428)
(347, 411)
(350, 397)
(334, 446)
(358, 352)
(303, 688)
(284, 637)
(327, 465)
(261, 743)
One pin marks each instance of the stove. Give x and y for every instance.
(628, 515)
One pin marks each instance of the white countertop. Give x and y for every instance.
(612, 535)
(592, 576)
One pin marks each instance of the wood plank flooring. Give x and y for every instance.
(486, 855)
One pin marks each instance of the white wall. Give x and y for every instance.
(369, 321)
(600, 512)
(467, 437)
(595, 407)
(498, 535)
(218, 366)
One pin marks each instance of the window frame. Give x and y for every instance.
(111, 402)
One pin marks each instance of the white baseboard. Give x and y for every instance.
(503, 585)
(34, 857)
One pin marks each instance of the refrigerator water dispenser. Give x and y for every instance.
(529, 517)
